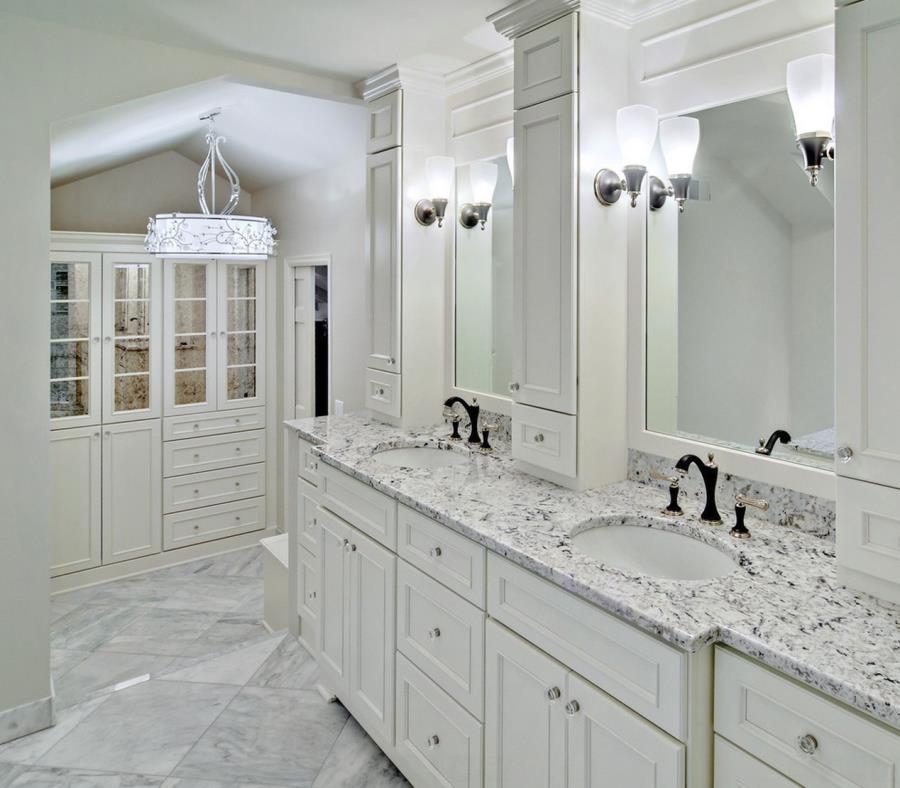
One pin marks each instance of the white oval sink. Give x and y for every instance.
(420, 457)
(654, 552)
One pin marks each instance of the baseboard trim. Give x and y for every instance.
(28, 718)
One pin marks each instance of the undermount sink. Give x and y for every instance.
(420, 457)
(654, 552)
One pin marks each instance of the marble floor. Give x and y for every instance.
(170, 680)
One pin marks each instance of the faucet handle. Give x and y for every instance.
(758, 503)
(674, 481)
(741, 502)
(711, 460)
(451, 414)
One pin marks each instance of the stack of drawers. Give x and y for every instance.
(214, 476)
(307, 558)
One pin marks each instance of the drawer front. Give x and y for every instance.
(448, 557)
(220, 451)
(545, 62)
(385, 116)
(217, 423)
(211, 487)
(773, 718)
(383, 392)
(443, 635)
(545, 438)
(369, 510)
(735, 769)
(307, 525)
(308, 597)
(438, 743)
(308, 466)
(213, 522)
(642, 672)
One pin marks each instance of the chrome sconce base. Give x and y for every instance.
(608, 185)
(658, 192)
(815, 147)
(429, 211)
(470, 214)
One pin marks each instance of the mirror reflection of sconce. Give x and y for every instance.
(636, 127)
(810, 89)
(511, 160)
(679, 138)
(439, 177)
(483, 177)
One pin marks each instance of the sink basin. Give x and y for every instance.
(654, 552)
(420, 457)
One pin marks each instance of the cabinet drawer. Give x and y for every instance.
(383, 392)
(200, 424)
(544, 438)
(213, 522)
(219, 451)
(308, 465)
(735, 769)
(308, 597)
(438, 743)
(545, 62)
(446, 556)
(385, 116)
(770, 716)
(307, 527)
(211, 487)
(369, 510)
(642, 672)
(443, 635)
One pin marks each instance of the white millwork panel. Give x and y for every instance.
(385, 122)
(213, 522)
(545, 438)
(736, 769)
(384, 392)
(546, 62)
(334, 535)
(211, 487)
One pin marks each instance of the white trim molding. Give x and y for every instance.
(399, 76)
(480, 71)
(25, 719)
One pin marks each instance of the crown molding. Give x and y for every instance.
(480, 71)
(398, 76)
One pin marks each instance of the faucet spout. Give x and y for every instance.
(710, 473)
(472, 411)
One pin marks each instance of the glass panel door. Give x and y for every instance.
(241, 327)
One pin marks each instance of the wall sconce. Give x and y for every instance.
(483, 177)
(810, 88)
(636, 129)
(511, 160)
(439, 177)
(679, 138)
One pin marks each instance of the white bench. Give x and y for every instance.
(275, 581)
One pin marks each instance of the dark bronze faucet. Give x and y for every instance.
(765, 447)
(710, 473)
(472, 411)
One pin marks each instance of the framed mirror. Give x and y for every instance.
(740, 293)
(482, 313)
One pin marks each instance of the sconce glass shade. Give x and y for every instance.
(679, 138)
(636, 127)
(511, 159)
(810, 88)
(483, 177)
(439, 176)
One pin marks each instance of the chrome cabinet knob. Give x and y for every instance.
(312, 594)
(845, 454)
(435, 552)
(513, 386)
(553, 693)
(433, 741)
(573, 707)
(434, 634)
(350, 548)
(391, 361)
(539, 438)
(808, 744)
(96, 339)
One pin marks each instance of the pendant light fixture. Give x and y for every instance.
(207, 234)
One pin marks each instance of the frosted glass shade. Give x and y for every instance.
(511, 159)
(810, 88)
(439, 175)
(636, 129)
(483, 177)
(679, 138)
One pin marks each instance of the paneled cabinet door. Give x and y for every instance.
(74, 500)
(383, 200)
(75, 309)
(132, 490)
(867, 274)
(334, 536)
(524, 718)
(545, 256)
(132, 333)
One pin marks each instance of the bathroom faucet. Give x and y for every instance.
(741, 502)
(472, 411)
(710, 473)
(765, 447)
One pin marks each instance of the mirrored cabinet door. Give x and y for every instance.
(241, 327)
(75, 308)
(132, 309)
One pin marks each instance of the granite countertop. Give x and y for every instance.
(782, 606)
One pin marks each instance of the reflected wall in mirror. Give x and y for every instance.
(740, 291)
(483, 314)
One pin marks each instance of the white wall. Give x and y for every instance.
(121, 199)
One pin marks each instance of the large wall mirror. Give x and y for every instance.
(740, 292)
(483, 281)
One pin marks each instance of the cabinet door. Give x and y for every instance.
(189, 380)
(610, 746)
(132, 490)
(383, 199)
(334, 536)
(524, 718)
(307, 526)
(867, 276)
(132, 329)
(74, 500)
(371, 619)
(545, 62)
(241, 350)
(385, 119)
(545, 255)
(75, 279)
(737, 769)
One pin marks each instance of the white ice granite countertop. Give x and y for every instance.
(783, 605)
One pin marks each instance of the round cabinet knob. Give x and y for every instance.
(391, 361)
(513, 386)
(433, 741)
(573, 707)
(237, 484)
(196, 457)
(434, 634)
(845, 454)
(350, 548)
(553, 693)
(96, 339)
(237, 421)
(539, 438)
(237, 449)
(237, 518)
(435, 552)
(312, 594)
(345, 543)
(808, 744)
(196, 527)
(196, 426)
(196, 492)
(107, 339)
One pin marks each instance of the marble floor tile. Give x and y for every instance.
(235, 667)
(102, 671)
(230, 632)
(355, 761)
(164, 632)
(52, 777)
(145, 729)
(205, 593)
(138, 590)
(247, 562)
(89, 626)
(267, 736)
(290, 666)
(63, 660)
(189, 782)
(59, 606)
